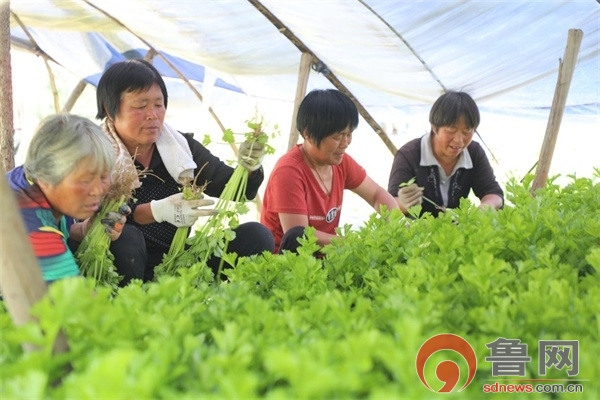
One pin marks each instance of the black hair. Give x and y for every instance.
(451, 106)
(125, 76)
(325, 112)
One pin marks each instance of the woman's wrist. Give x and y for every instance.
(78, 230)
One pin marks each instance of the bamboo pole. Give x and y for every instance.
(303, 74)
(7, 144)
(365, 114)
(77, 90)
(407, 44)
(21, 279)
(565, 74)
(150, 55)
(21, 282)
(329, 75)
(152, 52)
(52, 83)
(46, 59)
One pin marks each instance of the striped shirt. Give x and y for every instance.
(47, 237)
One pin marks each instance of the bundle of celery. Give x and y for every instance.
(93, 255)
(191, 191)
(212, 238)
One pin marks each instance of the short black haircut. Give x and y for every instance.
(125, 76)
(325, 112)
(451, 106)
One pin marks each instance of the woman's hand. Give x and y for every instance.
(179, 212)
(114, 221)
(410, 195)
(251, 155)
(491, 201)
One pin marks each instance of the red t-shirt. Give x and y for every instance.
(293, 189)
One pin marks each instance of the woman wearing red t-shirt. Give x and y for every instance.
(307, 184)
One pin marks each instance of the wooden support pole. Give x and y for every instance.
(77, 90)
(46, 59)
(154, 52)
(52, 83)
(21, 281)
(565, 74)
(7, 143)
(303, 74)
(329, 75)
(150, 55)
(364, 113)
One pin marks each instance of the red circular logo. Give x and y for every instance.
(447, 371)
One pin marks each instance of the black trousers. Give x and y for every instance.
(250, 238)
(289, 241)
(129, 252)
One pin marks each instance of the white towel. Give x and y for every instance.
(175, 153)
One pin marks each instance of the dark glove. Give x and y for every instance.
(114, 221)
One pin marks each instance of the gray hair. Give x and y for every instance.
(60, 142)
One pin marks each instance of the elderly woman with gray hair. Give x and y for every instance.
(65, 176)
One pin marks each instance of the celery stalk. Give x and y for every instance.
(93, 255)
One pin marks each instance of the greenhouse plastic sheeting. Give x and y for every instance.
(387, 53)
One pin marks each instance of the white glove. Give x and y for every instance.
(179, 212)
(251, 155)
(410, 195)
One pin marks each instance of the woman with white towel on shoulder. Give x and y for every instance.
(132, 102)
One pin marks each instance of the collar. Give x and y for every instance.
(427, 157)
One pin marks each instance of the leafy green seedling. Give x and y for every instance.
(410, 182)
